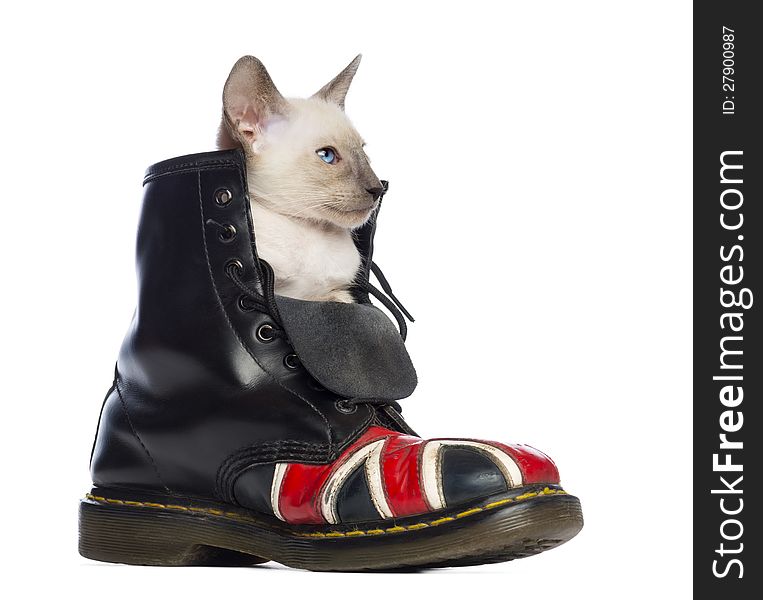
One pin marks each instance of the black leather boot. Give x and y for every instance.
(244, 427)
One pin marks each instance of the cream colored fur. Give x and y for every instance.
(304, 210)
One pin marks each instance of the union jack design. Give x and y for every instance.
(385, 474)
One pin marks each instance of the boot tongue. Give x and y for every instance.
(353, 350)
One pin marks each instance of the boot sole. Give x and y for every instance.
(118, 527)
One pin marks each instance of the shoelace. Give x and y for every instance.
(266, 303)
(390, 301)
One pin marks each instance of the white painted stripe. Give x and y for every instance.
(275, 488)
(431, 474)
(376, 482)
(431, 467)
(339, 476)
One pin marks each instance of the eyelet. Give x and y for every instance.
(223, 197)
(291, 361)
(245, 304)
(265, 335)
(228, 234)
(234, 263)
(343, 407)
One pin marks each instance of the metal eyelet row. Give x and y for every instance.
(234, 263)
(244, 303)
(223, 198)
(343, 407)
(228, 234)
(264, 333)
(291, 361)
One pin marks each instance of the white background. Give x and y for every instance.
(538, 227)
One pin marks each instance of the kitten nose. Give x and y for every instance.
(378, 192)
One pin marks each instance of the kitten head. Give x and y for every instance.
(305, 158)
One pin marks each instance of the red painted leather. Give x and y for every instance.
(401, 476)
(302, 486)
(536, 467)
(299, 499)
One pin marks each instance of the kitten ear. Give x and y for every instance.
(336, 89)
(249, 99)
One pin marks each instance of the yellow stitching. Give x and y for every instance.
(526, 496)
(334, 534)
(498, 503)
(197, 509)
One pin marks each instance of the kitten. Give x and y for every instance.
(310, 181)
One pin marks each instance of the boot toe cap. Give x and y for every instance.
(386, 475)
(455, 472)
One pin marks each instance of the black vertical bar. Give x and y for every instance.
(728, 226)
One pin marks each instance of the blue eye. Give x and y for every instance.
(327, 155)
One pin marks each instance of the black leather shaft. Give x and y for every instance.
(198, 398)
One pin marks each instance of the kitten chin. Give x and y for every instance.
(310, 261)
(349, 219)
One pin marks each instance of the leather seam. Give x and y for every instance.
(399, 420)
(137, 437)
(279, 451)
(227, 317)
(272, 377)
(286, 451)
(100, 416)
(151, 178)
(250, 222)
(335, 451)
(235, 516)
(188, 166)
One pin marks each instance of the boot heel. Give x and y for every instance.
(135, 536)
